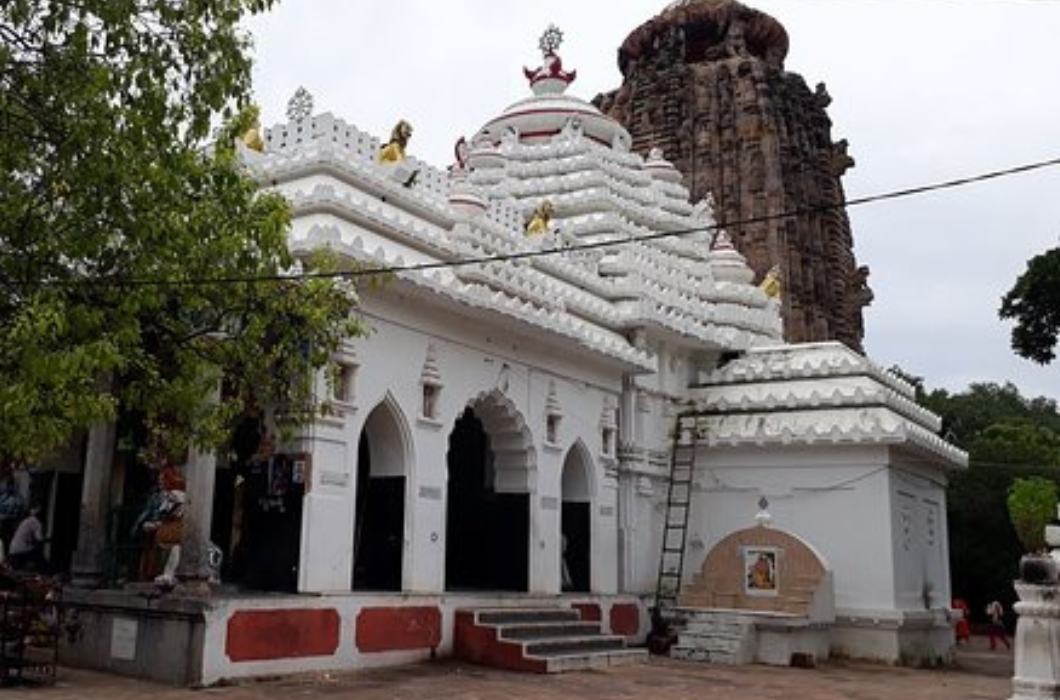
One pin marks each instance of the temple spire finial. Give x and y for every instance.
(550, 78)
(550, 41)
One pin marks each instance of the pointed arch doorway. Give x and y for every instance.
(379, 518)
(488, 503)
(576, 520)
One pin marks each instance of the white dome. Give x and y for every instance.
(541, 117)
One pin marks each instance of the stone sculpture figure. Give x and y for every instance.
(541, 220)
(770, 284)
(252, 139)
(394, 150)
(162, 522)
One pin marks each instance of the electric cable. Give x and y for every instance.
(561, 250)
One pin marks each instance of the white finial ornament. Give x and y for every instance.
(300, 106)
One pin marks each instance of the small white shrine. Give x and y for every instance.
(503, 435)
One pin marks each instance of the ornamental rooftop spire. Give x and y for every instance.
(550, 78)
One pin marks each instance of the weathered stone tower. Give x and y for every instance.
(705, 82)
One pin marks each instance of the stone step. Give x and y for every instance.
(541, 640)
(504, 616)
(706, 634)
(547, 630)
(560, 663)
(731, 646)
(711, 656)
(573, 645)
(710, 627)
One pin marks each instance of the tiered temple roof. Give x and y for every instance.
(625, 261)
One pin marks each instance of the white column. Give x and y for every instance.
(605, 541)
(423, 567)
(200, 474)
(88, 564)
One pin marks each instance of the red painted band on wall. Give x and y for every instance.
(590, 612)
(625, 619)
(392, 629)
(266, 635)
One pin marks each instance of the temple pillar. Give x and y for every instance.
(88, 566)
(200, 475)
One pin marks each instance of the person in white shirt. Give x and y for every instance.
(27, 544)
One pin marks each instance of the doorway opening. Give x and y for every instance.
(576, 521)
(379, 518)
(488, 506)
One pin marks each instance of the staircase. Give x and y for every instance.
(723, 637)
(537, 640)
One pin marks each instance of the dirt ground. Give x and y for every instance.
(980, 674)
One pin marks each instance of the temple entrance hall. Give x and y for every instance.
(488, 508)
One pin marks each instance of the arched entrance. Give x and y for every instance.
(576, 519)
(488, 506)
(379, 519)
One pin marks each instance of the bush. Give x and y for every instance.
(1031, 506)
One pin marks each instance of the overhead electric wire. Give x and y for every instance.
(561, 250)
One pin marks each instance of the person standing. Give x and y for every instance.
(11, 509)
(27, 544)
(995, 611)
(962, 629)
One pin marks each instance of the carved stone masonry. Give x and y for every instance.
(705, 82)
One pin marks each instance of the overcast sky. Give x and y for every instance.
(924, 91)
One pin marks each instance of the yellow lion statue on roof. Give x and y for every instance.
(394, 150)
(771, 283)
(541, 220)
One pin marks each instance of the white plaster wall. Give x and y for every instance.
(605, 577)
(646, 496)
(648, 415)
(836, 498)
(922, 577)
(473, 360)
(424, 563)
(327, 518)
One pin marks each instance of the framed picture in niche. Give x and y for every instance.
(760, 570)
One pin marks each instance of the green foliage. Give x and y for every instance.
(1034, 303)
(967, 415)
(1031, 506)
(1008, 437)
(132, 253)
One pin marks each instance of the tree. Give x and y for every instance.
(140, 266)
(1008, 437)
(1034, 303)
(968, 414)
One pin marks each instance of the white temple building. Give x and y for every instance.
(505, 435)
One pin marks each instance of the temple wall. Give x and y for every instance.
(199, 642)
(878, 521)
(919, 538)
(835, 498)
(473, 361)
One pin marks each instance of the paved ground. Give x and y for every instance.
(979, 675)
